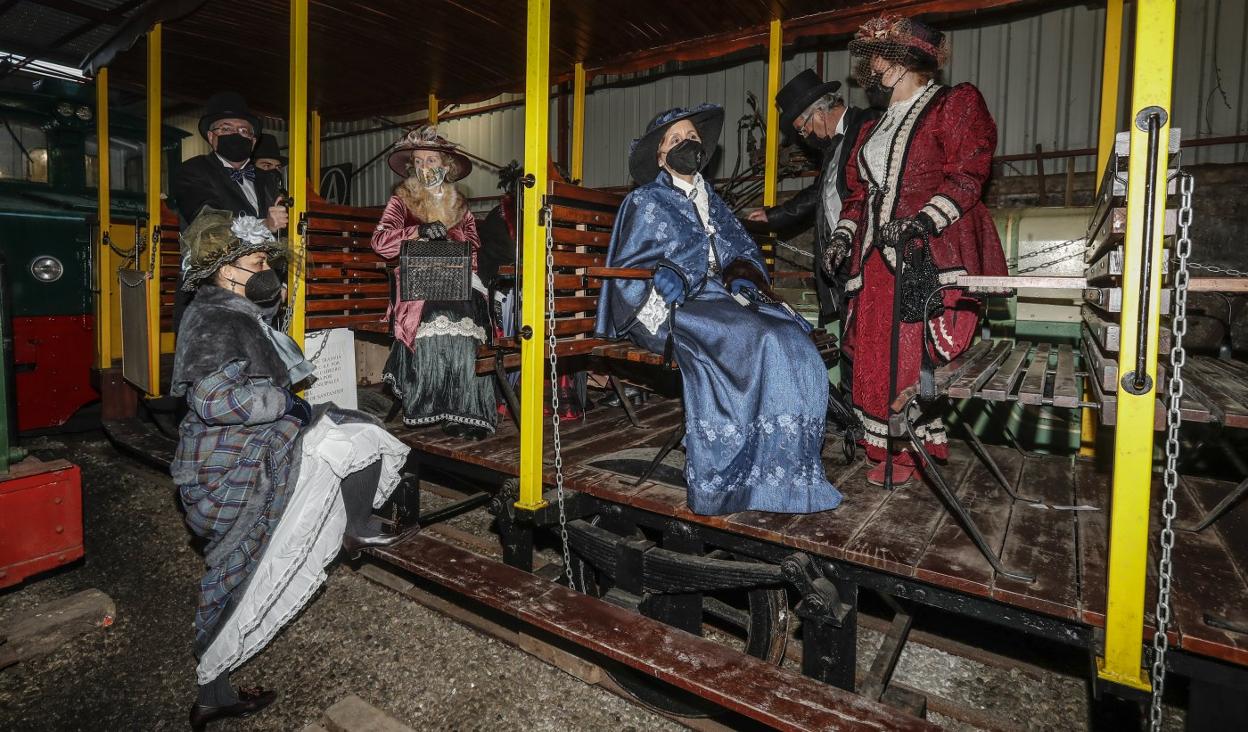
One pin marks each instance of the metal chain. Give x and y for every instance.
(1216, 269)
(152, 253)
(1050, 248)
(785, 245)
(1045, 250)
(554, 395)
(1183, 250)
(323, 336)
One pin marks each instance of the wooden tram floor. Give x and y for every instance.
(907, 532)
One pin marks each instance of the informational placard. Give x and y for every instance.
(332, 353)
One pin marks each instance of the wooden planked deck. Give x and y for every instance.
(907, 532)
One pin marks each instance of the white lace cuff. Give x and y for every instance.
(654, 313)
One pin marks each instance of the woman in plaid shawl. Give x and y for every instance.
(256, 467)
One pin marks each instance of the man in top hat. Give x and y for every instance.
(225, 179)
(267, 155)
(818, 114)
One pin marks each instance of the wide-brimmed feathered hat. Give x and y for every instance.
(227, 105)
(912, 43)
(215, 238)
(427, 138)
(794, 97)
(643, 154)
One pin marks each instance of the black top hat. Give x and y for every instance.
(643, 154)
(794, 97)
(227, 105)
(266, 147)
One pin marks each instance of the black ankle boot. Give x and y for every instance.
(249, 702)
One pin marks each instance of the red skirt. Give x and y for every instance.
(868, 343)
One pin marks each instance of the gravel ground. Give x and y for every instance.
(356, 637)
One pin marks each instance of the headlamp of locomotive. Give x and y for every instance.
(47, 268)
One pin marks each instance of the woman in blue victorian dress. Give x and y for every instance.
(755, 387)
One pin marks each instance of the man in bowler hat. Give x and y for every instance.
(819, 116)
(225, 178)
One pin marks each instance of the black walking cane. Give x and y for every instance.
(894, 348)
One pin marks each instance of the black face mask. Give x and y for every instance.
(687, 157)
(823, 143)
(263, 287)
(234, 148)
(878, 95)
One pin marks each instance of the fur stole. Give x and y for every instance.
(218, 328)
(422, 205)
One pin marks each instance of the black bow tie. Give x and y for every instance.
(247, 171)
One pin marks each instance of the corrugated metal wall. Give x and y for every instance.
(1040, 75)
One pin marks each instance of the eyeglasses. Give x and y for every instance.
(228, 129)
(803, 122)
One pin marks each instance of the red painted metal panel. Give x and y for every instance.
(40, 518)
(53, 357)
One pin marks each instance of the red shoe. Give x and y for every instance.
(902, 474)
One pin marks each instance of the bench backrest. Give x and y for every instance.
(347, 283)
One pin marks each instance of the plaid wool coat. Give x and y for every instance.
(237, 443)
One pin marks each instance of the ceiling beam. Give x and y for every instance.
(82, 10)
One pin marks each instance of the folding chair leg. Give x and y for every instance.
(1226, 504)
(672, 441)
(954, 505)
(504, 385)
(625, 402)
(978, 447)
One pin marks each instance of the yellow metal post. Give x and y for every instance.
(578, 123)
(1152, 72)
(532, 349)
(314, 176)
(771, 165)
(298, 172)
(433, 108)
(104, 273)
(153, 203)
(1110, 62)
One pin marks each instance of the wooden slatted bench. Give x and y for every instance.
(752, 687)
(580, 222)
(347, 282)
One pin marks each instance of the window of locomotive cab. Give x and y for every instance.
(128, 160)
(23, 152)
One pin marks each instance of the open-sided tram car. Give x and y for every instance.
(992, 537)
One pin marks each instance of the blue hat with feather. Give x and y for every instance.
(643, 154)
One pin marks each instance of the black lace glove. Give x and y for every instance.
(299, 409)
(899, 232)
(835, 253)
(432, 230)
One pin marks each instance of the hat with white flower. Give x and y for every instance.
(216, 238)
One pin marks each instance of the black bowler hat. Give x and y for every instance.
(794, 97)
(266, 148)
(227, 105)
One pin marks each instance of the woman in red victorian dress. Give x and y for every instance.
(915, 178)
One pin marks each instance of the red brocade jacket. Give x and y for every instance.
(397, 225)
(938, 164)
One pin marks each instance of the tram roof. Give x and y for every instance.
(370, 57)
